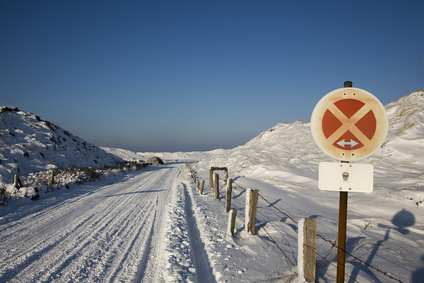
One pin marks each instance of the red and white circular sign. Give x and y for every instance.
(349, 124)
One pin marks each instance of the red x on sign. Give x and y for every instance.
(349, 124)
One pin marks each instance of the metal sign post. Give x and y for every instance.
(341, 255)
(341, 241)
(348, 124)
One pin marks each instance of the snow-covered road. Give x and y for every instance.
(154, 226)
(116, 230)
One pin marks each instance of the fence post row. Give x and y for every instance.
(198, 184)
(306, 243)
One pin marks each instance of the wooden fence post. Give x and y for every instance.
(231, 222)
(229, 193)
(52, 178)
(309, 249)
(18, 183)
(226, 176)
(202, 185)
(216, 185)
(251, 206)
(211, 178)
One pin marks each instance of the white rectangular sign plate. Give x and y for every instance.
(346, 177)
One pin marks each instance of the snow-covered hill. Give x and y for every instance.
(29, 144)
(287, 150)
(282, 163)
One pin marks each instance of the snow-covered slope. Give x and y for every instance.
(288, 150)
(29, 144)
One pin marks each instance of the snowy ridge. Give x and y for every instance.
(287, 150)
(29, 144)
(406, 116)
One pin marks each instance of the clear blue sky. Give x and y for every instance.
(199, 75)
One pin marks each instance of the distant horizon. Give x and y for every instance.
(197, 76)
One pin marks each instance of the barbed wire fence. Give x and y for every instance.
(327, 258)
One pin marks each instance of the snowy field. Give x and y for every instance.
(152, 225)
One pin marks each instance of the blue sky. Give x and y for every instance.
(199, 75)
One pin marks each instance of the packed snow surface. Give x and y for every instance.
(153, 225)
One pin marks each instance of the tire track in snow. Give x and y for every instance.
(128, 250)
(146, 256)
(75, 247)
(36, 254)
(152, 264)
(94, 246)
(184, 252)
(103, 241)
(200, 258)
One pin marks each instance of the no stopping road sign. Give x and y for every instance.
(349, 124)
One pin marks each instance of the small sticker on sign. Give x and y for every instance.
(345, 176)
